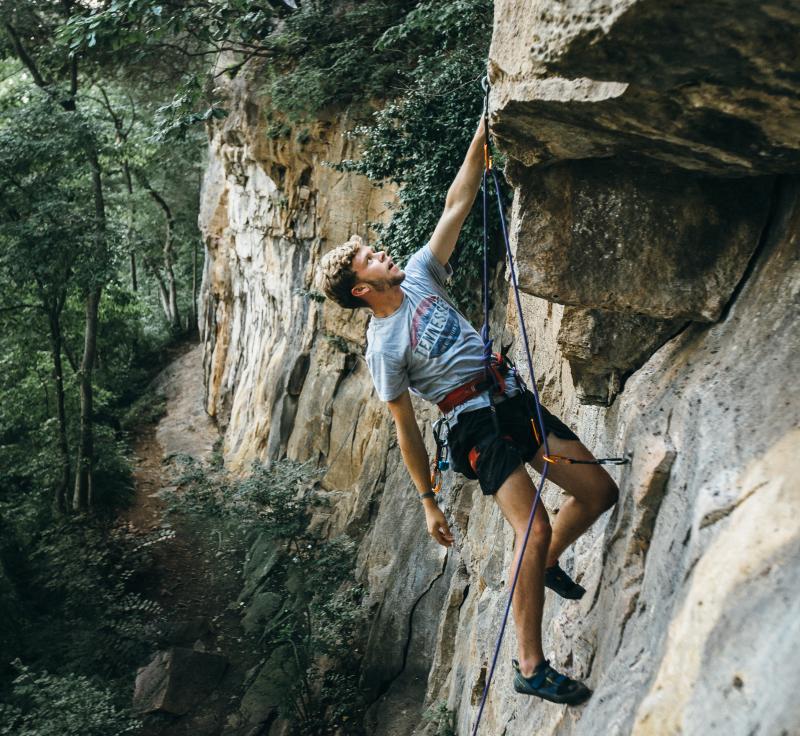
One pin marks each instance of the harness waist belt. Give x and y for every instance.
(469, 390)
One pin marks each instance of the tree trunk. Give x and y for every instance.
(83, 476)
(60, 499)
(169, 290)
(84, 465)
(163, 291)
(193, 327)
(174, 316)
(129, 235)
(134, 284)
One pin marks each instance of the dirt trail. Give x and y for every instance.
(195, 581)
(185, 429)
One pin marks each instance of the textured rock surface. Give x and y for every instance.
(709, 86)
(603, 347)
(689, 620)
(632, 238)
(710, 407)
(268, 207)
(286, 376)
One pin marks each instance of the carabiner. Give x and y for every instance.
(441, 428)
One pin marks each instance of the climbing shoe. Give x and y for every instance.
(556, 579)
(548, 684)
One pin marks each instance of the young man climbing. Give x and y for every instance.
(417, 341)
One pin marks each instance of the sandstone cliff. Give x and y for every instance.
(653, 148)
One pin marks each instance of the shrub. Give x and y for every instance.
(442, 719)
(71, 705)
(322, 618)
(73, 585)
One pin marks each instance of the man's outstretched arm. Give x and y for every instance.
(415, 457)
(460, 198)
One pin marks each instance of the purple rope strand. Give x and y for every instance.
(510, 597)
(524, 332)
(487, 342)
(539, 418)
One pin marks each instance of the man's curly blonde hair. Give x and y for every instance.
(336, 277)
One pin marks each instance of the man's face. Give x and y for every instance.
(375, 269)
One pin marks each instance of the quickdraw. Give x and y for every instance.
(561, 459)
(441, 460)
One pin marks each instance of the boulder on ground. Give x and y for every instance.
(177, 680)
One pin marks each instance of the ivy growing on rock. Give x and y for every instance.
(418, 139)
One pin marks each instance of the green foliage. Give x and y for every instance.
(70, 705)
(419, 138)
(329, 50)
(74, 611)
(421, 61)
(27, 430)
(326, 48)
(442, 719)
(322, 618)
(147, 409)
(142, 26)
(81, 572)
(46, 197)
(49, 254)
(177, 118)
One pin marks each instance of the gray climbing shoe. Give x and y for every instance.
(550, 685)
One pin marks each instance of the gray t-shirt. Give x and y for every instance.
(426, 345)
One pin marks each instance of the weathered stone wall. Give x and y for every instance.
(654, 152)
(269, 205)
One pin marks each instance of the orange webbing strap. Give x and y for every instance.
(564, 460)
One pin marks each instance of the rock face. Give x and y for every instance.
(268, 207)
(653, 147)
(706, 86)
(632, 238)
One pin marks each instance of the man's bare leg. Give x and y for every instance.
(515, 498)
(591, 491)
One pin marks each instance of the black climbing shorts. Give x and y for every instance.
(500, 455)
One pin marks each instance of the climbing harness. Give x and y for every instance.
(498, 367)
(537, 422)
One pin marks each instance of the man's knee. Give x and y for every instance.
(539, 539)
(607, 496)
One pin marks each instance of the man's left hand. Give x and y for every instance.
(437, 525)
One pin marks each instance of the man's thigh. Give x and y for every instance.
(586, 483)
(515, 498)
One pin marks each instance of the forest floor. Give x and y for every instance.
(195, 577)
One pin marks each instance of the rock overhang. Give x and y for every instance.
(643, 140)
